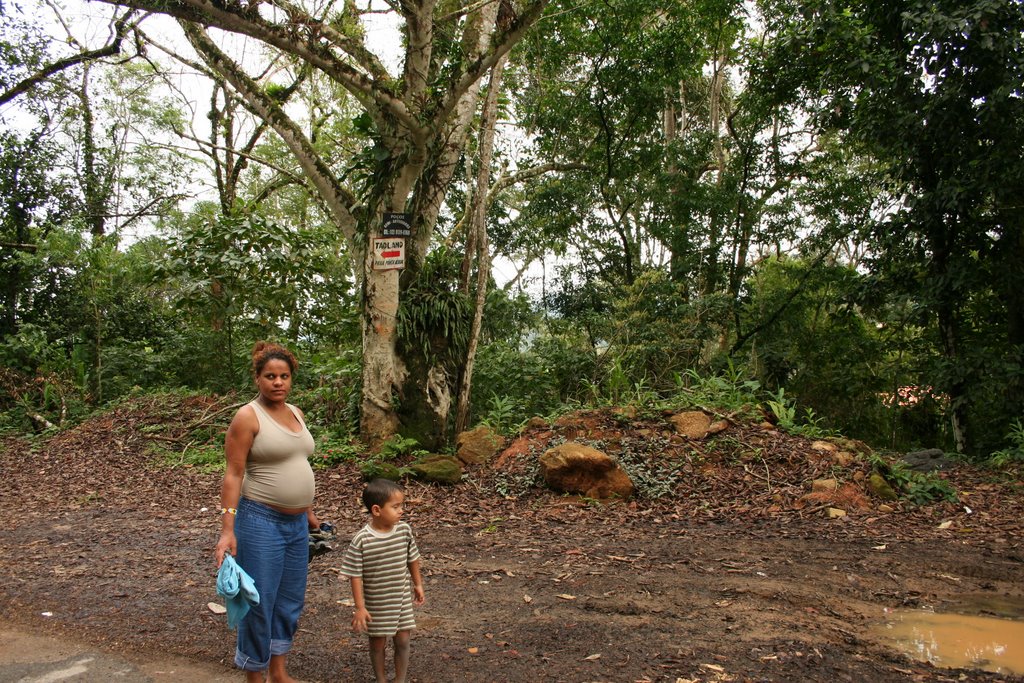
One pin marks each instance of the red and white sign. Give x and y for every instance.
(388, 253)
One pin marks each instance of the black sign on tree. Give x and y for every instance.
(397, 225)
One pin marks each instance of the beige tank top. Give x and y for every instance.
(277, 471)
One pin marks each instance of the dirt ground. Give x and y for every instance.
(734, 576)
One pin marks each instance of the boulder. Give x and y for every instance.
(880, 487)
(718, 427)
(928, 460)
(477, 446)
(575, 468)
(439, 469)
(693, 424)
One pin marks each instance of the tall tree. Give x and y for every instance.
(692, 170)
(933, 90)
(33, 201)
(419, 123)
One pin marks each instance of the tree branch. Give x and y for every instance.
(504, 182)
(515, 32)
(337, 198)
(121, 28)
(301, 35)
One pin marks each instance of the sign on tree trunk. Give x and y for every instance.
(396, 225)
(388, 253)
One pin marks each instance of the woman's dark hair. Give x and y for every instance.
(379, 492)
(264, 351)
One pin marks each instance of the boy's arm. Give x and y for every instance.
(361, 618)
(417, 582)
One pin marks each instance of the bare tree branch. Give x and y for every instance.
(121, 28)
(338, 199)
(504, 182)
(303, 36)
(517, 28)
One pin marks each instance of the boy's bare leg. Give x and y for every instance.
(253, 677)
(377, 647)
(401, 656)
(276, 673)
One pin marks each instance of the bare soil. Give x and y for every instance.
(735, 575)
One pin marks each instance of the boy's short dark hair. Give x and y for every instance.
(379, 492)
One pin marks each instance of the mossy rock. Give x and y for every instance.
(375, 469)
(880, 487)
(440, 469)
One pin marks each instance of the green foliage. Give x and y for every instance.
(433, 316)
(36, 200)
(657, 331)
(399, 446)
(329, 388)
(379, 469)
(503, 414)
(247, 277)
(50, 395)
(816, 344)
(492, 526)
(731, 391)
(919, 488)
(516, 482)
(652, 474)
(332, 451)
(1014, 452)
(23, 46)
(932, 92)
(618, 389)
(206, 459)
(536, 380)
(382, 463)
(785, 411)
(507, 318)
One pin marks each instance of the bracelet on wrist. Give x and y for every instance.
(224, 511)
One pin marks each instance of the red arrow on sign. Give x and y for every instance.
(390, 254)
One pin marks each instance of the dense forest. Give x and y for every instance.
(606, 203)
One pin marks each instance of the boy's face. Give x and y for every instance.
(390, 513)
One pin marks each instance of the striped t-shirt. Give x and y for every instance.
(382, 560)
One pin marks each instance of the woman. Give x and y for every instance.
(266, 507)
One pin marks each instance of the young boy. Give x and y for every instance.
(379, 563)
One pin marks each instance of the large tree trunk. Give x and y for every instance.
(425, 395)
(383, 371)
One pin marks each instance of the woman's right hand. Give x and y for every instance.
(226, 544)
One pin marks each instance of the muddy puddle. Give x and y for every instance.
(972, 640)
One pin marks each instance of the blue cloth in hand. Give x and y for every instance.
(238, 590)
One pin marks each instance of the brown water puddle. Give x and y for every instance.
(956, 640)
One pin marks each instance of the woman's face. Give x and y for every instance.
(275, 380)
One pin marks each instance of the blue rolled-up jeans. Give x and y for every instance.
(273, 548)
